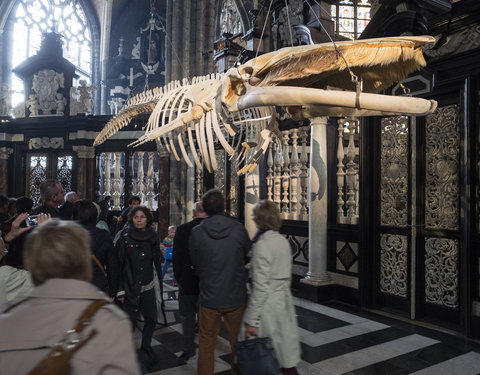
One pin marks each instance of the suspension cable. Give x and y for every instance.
(289, 26)
(354, 78)
(264, 26)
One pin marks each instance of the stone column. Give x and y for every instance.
(252, 195)
(5, 153)
(104, 52)
(317, 205)
(85, 172)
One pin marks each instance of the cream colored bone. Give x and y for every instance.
(218, 106)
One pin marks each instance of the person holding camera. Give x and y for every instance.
(15, 231)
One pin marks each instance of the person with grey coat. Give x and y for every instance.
(270, 311)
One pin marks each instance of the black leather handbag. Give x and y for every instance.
(255, 356)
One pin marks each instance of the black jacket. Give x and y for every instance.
(46, 209)
(138, 251)
(66, 210)
(218, 251)
(103, 249)
(182, 266)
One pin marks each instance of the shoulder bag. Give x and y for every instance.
(57, 362)
(255, 356)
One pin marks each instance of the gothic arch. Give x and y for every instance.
(7, 6)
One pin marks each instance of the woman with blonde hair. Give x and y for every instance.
(270, 311)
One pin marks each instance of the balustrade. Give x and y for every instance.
(286, 167)
(347, 180)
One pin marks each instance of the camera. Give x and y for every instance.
(32, 220)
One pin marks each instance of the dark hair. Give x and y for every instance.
(134, 198)
(12, 205)
(48, 189)
(145, 210)
(267, 215)
(24, 204)
(3, 200)
(213, 202)
(85, 212)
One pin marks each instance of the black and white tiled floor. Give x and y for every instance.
(337, 340)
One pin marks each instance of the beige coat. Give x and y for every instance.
(270, 306)
(15, 285)
(31, 329)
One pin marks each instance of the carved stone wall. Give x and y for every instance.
(442, 184)
(441, 271)
(442, 172)
(394, 171)
(393, 264)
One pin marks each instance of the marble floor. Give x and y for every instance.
(336, 339)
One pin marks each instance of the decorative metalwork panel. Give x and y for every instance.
(394, 171)
(441, 271)
(64, 171)
(220, 172)
(234, 189)
(442, 169)
(393, 264)
(37, 173)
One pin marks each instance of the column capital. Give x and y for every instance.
(5, 152)
(84, 152)
(321, 120)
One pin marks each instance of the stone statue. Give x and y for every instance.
(81, 98)
(4, 100)
(19, 110)
(32, 105)
(136, 49)
(61, 103)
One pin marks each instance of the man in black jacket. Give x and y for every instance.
(187, 281)
(52, 194)
(218, 251)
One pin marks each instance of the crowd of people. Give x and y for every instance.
(61, 256)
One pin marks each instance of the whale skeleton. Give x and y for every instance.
(236, 108)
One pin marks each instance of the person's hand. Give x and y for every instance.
(250, 330)
(16, 230)
(42, 218)
(3, 249)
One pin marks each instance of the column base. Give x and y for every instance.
(317, 280)
(315, 291)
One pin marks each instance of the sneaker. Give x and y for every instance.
(184, 357)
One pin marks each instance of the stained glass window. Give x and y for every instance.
(351, 17)
(33, 17)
